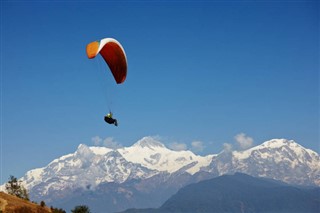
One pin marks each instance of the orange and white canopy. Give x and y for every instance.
(113, 54)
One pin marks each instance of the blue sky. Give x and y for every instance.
(204, 73)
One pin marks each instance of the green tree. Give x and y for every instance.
(14, 187)
(81, 209)
(42, 204)
(56, 210)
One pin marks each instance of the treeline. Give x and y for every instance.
(14, 187)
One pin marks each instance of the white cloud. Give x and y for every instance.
(96, 140)
(197, 146)
(177, 146)
(108, 142)
(111, 143)
(243, 141)
(227, 147)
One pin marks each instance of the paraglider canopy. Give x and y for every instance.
(113, 53)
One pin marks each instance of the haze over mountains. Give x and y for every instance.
(148, 173)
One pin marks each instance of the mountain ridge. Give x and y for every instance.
(148, 169)
(239, 193)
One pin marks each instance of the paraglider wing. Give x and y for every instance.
(113, 53)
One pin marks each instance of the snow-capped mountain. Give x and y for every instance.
(127, 176)
(91, 166)
(278, 159)
(153, 155)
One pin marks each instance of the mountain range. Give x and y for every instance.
(147, 173)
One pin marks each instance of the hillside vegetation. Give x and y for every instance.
(13, 204)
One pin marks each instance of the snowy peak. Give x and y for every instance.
(152, 154)
(279, 159)
(149, 142)
(289, 144)
(277, 143)
(100, 150)
(82, 146)
(280, 146)
(92, 150)
(293, 152)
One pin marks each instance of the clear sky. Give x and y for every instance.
(200, 74)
